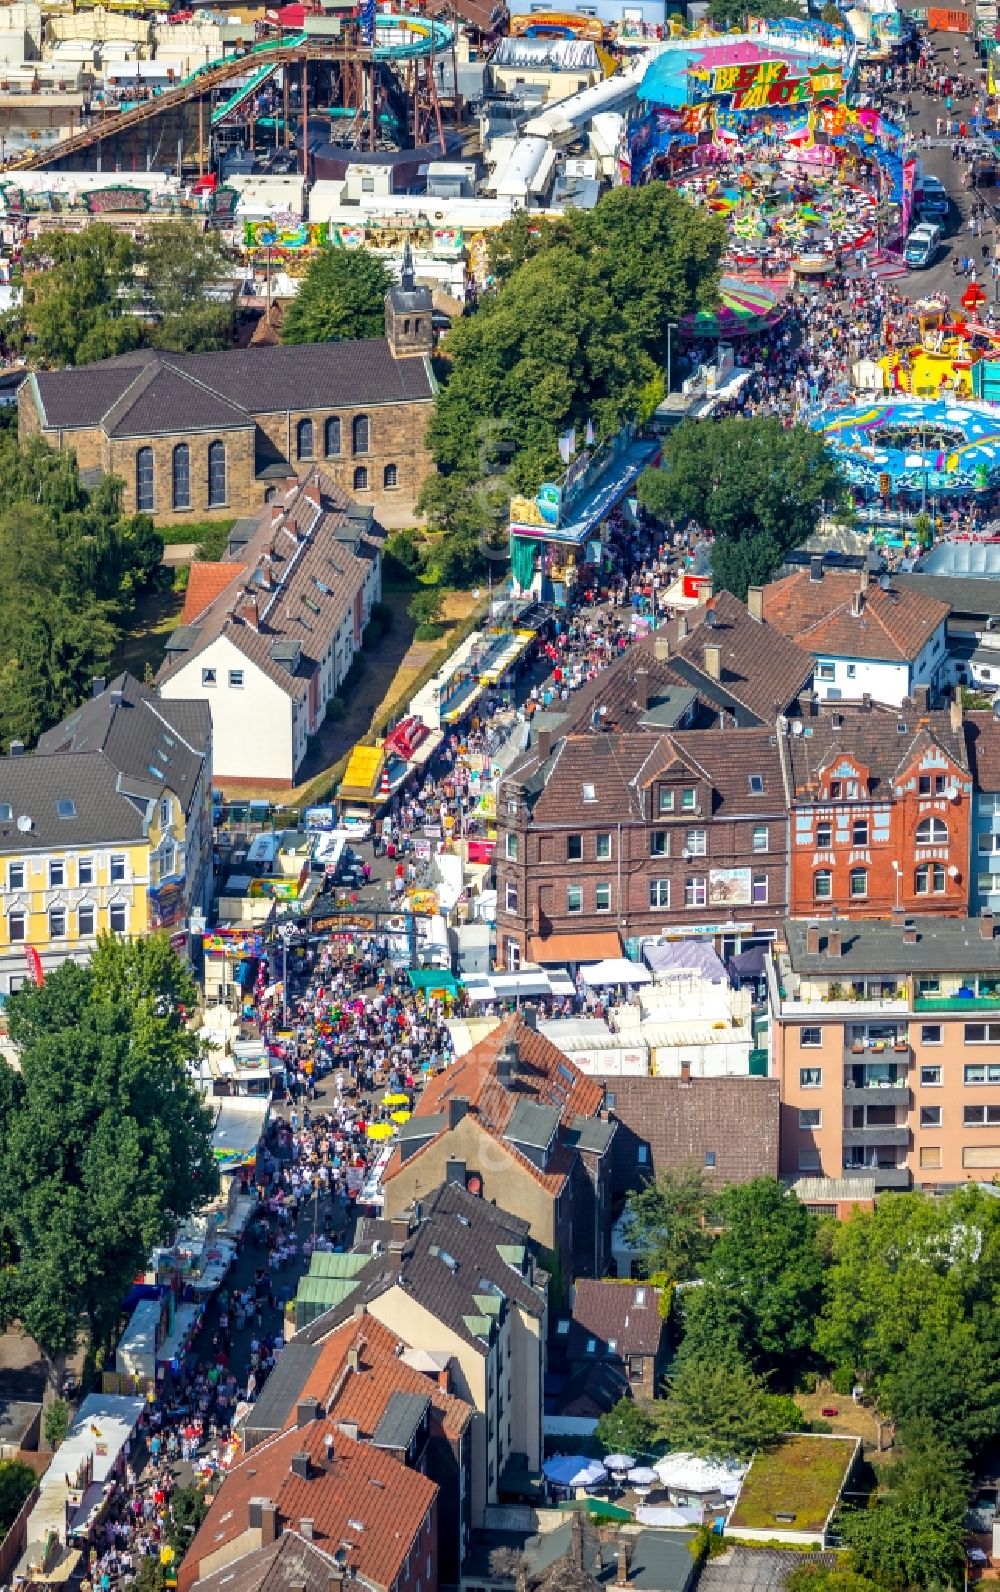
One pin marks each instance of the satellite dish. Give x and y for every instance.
(24, 824)
(340, 1557)
(796, 726)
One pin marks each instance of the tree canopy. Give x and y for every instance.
(105, 1144)
(757, 485)
(89, 295)
(71, 566)
(342, 296)
(668, 1223)
(629, 1428)
(719, 1410)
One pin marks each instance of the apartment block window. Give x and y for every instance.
(822, 884)
(932, 784)
(511, 848)
(930, 1116)
(982, 1072)
(574, 848)
(988, 843)
(930, 879)
(811, 1038)
(602, 847)
(57, 872)
(85, 921)
(859, 882)
(810, 1077)
(859, 832)
(826, 671)
(602, 896)
(85, 870)
(930, 1156)
(824, 835)
(930, 1033)
(57, 923)
(932, 832)
(117, 869)
(811, 1117)
(689, 800)
(15, 876)
(696, 842)
(758, 889)
(981, 1116)
(574, 898)
(208, 677)
(760, 837)
(695, 891)
(510, 896)
(809, 1161)
(988, 883)
(659, 893)
(117, 916)
(666, 802)
(659, 843)
(930, 1077)
(16, 925)
(236, 679)
(982, 1033)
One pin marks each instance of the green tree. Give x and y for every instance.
(758, 486)
(629, 1428)
(105, 1145)
(812, 1577)
(732, 14)
(424, 607)
(188, 1508)
(178, 263)
(76, 288)
(667, 1223)
(342, 296)
(768, 1263)
(907, 1543)
(948, 1382)
(56, 1422)
(719, 1410)
(17, 1481)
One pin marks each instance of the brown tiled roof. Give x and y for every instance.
(982, 732)
(884, 741)
(544, 1075)
(206, 582)
(221, 389)
(362, 1395)
(301, 571)
(358, 1497)
(625, 1313)
(733, 1119)
(291, 1561)
(893, 626)
(762, 671)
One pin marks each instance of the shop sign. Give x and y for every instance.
(757, 84)
(940, 20)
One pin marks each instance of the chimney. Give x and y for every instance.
(642, 689)
(265, 572)
(866, 701)
(807, 703)
(336, 1581)
(458, 1107)
(305, 1530)
(530, 1016)
(713, 661)
(858, 602)
(544, 744)
(310, 489)
(986, 925)
(833, 942)
(685, 1072)
(350, 1429)
(300, 1464)
(248, 610)
(682, 627)
(812, 939)
(444, 1379)
(755, 603)
(909, 931)
(621, 1577)
(816, 567)
(922, 698)
(507, 1062)
(955, 709)
(306, 1411)
(277, 515)
(97, 685)
(400, 1229)
(354, 1360)
(661, 646)
(268, 1522)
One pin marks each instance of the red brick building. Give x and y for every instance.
(880, 803)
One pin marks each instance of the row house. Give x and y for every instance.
(880, 802)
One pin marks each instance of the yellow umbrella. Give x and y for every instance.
(401, 1117)
(395, 1100)
(380, 1130)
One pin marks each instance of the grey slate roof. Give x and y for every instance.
(943, 945)
(532, 1124)
(138, 732)
(968, 594)
(400, 1420)
(289, 1562)
(198, 391)
(31, 785)
(281, 1391)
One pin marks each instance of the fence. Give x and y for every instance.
(14, 1543)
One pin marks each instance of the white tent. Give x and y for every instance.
(616, 970)
(688, 1473)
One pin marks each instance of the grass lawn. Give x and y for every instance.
(800, 1476)
(210, 535)
(157, 613)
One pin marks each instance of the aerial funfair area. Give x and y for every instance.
(757, 127)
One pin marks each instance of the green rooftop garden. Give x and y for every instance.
(798, 1476)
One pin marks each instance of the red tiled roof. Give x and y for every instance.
(358, 1497)
(206, 582)
(893, 625)
(362, 1395)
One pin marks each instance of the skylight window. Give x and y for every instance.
(756, 784)
(589, 793)
(66, 807)
(6, 812)
(157, 773)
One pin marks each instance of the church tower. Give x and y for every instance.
(408, 314)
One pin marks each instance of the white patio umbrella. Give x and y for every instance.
(615, 1462)
(574, 1470)
(642, 1476)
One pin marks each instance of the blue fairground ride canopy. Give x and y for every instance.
(888, 446)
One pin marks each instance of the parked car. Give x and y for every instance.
(922, 246)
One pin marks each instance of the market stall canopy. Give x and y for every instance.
(361, 777)
(588, 946)
(432, 980)
(684, 956)
(237, 1131)
(406, 737)
(574, 1470)
(616, 970)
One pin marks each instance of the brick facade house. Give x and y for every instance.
(208, 436)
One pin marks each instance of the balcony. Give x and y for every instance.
(886, 1177)
(899, 1053)
(957, 1003)
(875, 1137)
(872, 1094)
